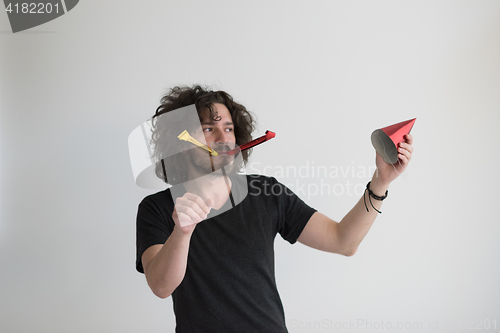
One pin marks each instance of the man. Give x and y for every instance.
(220, 273)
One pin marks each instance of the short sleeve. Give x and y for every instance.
(293, 212)
(154, 226)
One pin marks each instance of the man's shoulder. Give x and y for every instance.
(152, 199)
(256, 180)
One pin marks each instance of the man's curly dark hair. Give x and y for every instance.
(203, 98)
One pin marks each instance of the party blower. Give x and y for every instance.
(186, 137)
(268, 136)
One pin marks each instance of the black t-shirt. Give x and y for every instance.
(229, 285)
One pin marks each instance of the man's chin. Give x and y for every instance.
(219, 169)
(222, 168)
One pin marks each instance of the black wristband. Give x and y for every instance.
(374, 196)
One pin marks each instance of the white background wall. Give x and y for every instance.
(321, 74)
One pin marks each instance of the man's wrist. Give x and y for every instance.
(182, 233)
(378, 187)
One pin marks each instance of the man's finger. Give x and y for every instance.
(403, 159)
(404, 152)
(185, 201)
(406, 146)
(191, 213)
(409, 139)
(199, 201)
(184, 219)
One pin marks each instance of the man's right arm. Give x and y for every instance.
(165, 265)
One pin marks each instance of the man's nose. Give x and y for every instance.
(221, 136)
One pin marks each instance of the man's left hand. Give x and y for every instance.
(388, 172)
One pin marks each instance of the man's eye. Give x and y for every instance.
(207, 129)
(229, 129)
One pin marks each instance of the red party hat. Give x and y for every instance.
(385, 140)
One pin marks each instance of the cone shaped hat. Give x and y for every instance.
(385, 140)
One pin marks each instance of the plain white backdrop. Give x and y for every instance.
(322, 75)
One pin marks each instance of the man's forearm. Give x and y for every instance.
(166, 271)
(356, 224)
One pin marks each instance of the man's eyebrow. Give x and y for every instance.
(211, 122)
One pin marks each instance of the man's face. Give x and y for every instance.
(219, 135)
(218, 132)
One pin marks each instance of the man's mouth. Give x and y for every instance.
(222, 149)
